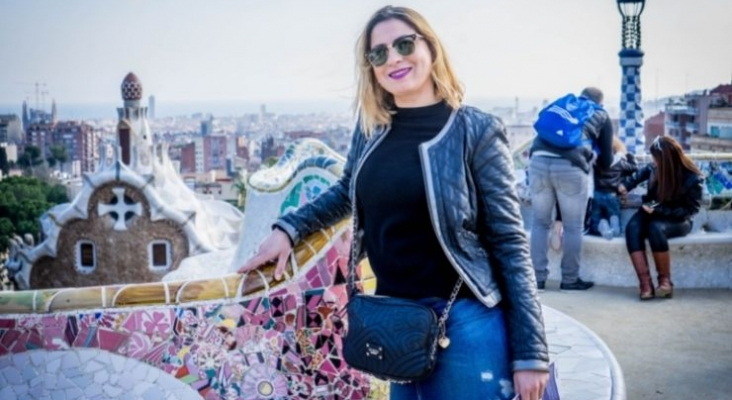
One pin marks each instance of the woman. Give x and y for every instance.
(430, 183)
(673, 197)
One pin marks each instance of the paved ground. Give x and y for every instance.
(668, 349)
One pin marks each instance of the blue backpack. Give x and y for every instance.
(562, 122)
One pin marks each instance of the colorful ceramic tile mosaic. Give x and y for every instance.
(285, 345)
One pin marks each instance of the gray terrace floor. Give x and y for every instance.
(667, 349)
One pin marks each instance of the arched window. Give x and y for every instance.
(86, 256)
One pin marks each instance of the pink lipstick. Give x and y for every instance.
(400, 73)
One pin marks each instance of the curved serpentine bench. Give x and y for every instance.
(585, 366)
(702, 259)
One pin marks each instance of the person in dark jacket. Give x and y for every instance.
(430, 186)
(605, 209)
(674, 195)
(562, 176)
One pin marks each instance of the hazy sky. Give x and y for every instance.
(276, 50)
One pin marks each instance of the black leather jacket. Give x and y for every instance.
(681, 207)
(608, 180)
(469, 177)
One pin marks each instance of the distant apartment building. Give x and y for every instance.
(204, 154)
(11, 152)
(654, 127)
(267, 148)
(701, 121)
(207, 126)
(40, 134)
(718, 134)
(11, 130)
(81, 142)
(188, 158)
(214, 152)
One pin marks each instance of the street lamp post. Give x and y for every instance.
(630, 126)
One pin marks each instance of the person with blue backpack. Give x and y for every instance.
(573, 133)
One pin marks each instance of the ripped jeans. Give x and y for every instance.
(475, 365)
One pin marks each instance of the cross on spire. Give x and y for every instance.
(118, 209)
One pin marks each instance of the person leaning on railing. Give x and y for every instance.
(429, 183)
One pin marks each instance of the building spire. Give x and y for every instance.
(54, 114)
(133, 133)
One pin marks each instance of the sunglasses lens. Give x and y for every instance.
(378, 55)
(405, 45)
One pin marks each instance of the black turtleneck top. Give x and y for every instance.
(399, 239)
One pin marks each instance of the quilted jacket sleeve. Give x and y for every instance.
(508, 249)
(328, 208)
(639, 176)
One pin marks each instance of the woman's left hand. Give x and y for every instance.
(530, 385)
(647, 209)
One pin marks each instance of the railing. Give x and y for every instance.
(681, 109)
(166, 293)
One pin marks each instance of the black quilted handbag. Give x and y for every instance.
(390, 338)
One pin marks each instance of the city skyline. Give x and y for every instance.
(292, 52)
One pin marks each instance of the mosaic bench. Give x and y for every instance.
(701, 259)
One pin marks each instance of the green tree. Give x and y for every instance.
(22, 202)
(6, 232)
(30, 158)
(241, 189)
(56, 194)
(4, 165)
(270, 162)
(58, 155)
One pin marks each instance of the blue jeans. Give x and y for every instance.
(552, 181)
(475, 365)
(604, 206)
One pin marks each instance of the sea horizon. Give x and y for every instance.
(233, 108)
(236, 108)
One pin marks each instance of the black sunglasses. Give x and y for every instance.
(404, 45)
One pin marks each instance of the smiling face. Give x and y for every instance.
(407, 78)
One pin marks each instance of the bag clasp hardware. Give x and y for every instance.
(375, 351)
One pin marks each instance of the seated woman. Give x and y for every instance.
(674, 196)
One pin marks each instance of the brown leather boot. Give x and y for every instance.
(640, 263)
(665, 287)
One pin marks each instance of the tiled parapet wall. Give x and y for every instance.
(282, 341)
(277, 346)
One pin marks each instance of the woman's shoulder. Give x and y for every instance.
(691, 178)
(481, 121)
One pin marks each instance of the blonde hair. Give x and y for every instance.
(619, 146)
(374, 104)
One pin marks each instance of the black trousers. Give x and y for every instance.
(656, 230)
